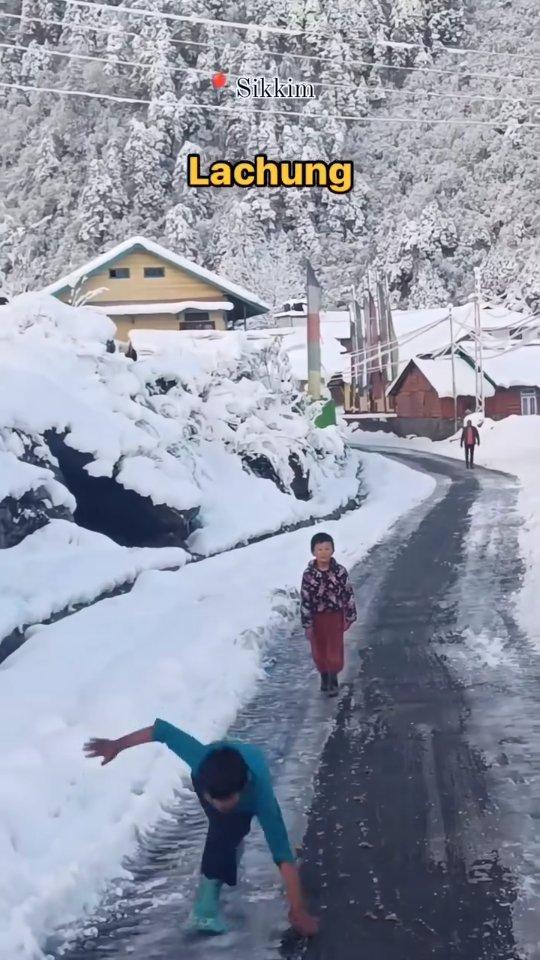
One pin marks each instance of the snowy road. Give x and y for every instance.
(423, 821)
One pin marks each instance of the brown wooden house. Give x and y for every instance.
(515, 372)
(513, 401)
(423, 393)
(424, 389)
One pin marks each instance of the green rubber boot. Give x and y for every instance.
(206, 915)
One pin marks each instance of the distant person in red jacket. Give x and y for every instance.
(328, 610)
(470, 438)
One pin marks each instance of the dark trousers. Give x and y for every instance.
(225, 834)
(469, 455)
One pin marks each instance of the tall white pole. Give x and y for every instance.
(453, 362)
(354, 344)
(478, 352)
(313, 334)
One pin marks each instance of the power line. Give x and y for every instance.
(367, 355)
(92, 58)
(274, 53)
(264, 28)
(442, 350)
(74, 93)
(304, 115)
(488, 357)
(460, 51)
(389, 345)
(179, 18)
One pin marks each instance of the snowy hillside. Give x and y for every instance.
(430, 200)
(200, 448)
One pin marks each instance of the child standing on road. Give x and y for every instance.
(233, 785)
(327, 610)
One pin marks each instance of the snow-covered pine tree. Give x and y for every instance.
(96, 215)
(477, 180)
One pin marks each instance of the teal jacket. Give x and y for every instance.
(257, 798)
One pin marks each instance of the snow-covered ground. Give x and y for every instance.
(185, 645)
(61, 565)
(513, 446)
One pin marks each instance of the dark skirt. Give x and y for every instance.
(327, 641)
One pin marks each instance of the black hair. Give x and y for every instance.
(222, 773)
(321, 538)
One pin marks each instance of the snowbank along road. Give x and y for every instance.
(420, 829)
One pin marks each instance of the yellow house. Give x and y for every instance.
(142, 285)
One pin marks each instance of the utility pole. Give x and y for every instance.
(363, 380)
(394, 352)
(453, 361)
(375, 316)
(354, 348)
(313, 334)
(478, 352)
(384, 336)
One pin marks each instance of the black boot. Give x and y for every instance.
(324, 682)
(333, 685)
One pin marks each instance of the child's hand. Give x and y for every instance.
(303, 922)
(107, 749)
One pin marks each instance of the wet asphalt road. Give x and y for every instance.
(401, 851)
(406, 846)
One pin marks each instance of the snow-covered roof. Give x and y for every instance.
(134, 309)
(338, 322)
(439, 374)
(333, 357)
(423, 332)
(138, 242)
(515, 366)
(338, 319)
(426, 331)
(149, 342)
(266, 333)
(500, 318)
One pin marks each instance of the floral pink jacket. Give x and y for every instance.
(326, 590)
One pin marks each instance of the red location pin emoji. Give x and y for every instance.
(219, 80)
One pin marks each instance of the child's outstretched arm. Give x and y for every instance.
(190, 750)
(109, 749)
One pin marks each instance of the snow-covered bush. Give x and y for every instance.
(209, 436)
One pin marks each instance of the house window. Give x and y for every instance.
(529, 405)
(153, 273)
(196, 320)
(119, 273)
